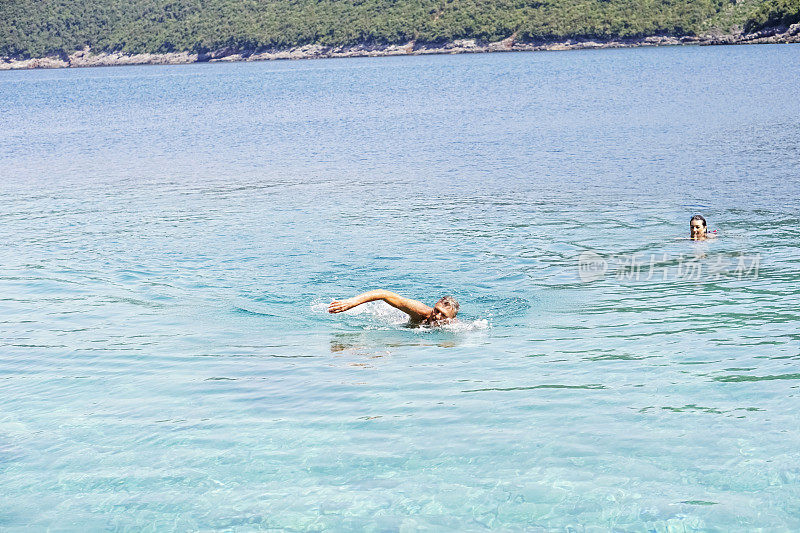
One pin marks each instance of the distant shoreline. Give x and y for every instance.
(86, 58)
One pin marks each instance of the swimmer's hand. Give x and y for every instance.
(339, 306)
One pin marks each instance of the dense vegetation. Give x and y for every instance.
(34, 28)
(773, 13)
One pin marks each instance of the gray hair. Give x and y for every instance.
(450, 302)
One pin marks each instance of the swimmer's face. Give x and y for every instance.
(441, 314)
(697, 230)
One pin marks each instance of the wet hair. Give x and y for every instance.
(450, 302)
(700, 218)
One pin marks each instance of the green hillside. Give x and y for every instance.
(35, 28)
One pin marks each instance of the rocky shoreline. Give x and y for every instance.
(86, 58)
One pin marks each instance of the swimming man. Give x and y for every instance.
(443, 312)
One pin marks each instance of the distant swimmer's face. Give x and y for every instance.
(697, 229)
(443, 312)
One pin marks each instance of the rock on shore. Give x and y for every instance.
(86, 58)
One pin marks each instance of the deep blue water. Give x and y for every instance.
(171, 236)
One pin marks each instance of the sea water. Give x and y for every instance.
(171, 236)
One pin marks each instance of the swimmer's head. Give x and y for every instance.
(697, 228)
(444, 311)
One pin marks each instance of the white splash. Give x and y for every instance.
(460, 326)
(386, 315)
(381, 311)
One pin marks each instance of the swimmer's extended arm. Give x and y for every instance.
(416, 310)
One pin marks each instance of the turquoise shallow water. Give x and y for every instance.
(170, 237)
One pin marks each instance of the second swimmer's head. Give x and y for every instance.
(697, 227)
